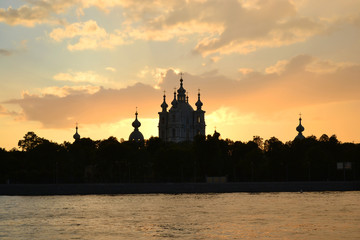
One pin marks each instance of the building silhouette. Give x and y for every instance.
(300, 129)
(181, 122)
(136, 135)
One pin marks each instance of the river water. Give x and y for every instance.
(314, 215)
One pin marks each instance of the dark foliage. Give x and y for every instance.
(110, 161)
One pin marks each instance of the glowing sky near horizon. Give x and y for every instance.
(258, 63)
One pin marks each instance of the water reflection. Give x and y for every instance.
(331, 215)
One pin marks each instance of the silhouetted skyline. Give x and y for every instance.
(257, 63)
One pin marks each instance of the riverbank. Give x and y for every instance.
(173, 188)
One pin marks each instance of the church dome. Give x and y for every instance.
(164, 104)
(184, 107)
(76, 135)
(181, 90)
(174, 101)
(136, 123)
(300, 129)
(198, 104)
(136, 135)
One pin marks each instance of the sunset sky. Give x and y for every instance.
(258, 63)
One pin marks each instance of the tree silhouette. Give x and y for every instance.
(108, 160)
(30, 141)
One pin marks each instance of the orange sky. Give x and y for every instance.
(258, 65)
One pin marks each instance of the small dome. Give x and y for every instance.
(198, 104)
(136, 123)
(300, 136)
(300, 129)
(174, 101)
(136, 136)
(76, 135)
(184, 107)
(164, 104)
(181, 90)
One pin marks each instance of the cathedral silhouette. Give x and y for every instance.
(181, 122)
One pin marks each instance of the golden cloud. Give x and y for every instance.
(100, 106)
(111, 69)
(245, 71)
(69, 90)
(220, 27)
(256, 93)
(89, 34)
(39, 12)
(81, 77)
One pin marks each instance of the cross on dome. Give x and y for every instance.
(76, 135)
(300, 129)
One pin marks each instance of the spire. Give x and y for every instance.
(300, 129)
(198, 103)
(181, 91)
(164, 104)
(76, 135)
(136, 124)
(174, 101)
(216, 135)
(136, 135)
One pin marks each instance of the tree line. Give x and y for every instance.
(39, 160)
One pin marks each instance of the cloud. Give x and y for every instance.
(102, 106)
(81, 77)
(89, 36)
(6, 112)
(156, 75)
(227, 27)
(284, 87)
(111, 69)
(270, 24)
(278, 68)
(20, 47)
(245, 71)
(38, 12)
(5, 52)
(215, 27)
(68, 90)
(301, 82)
(327, 66)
